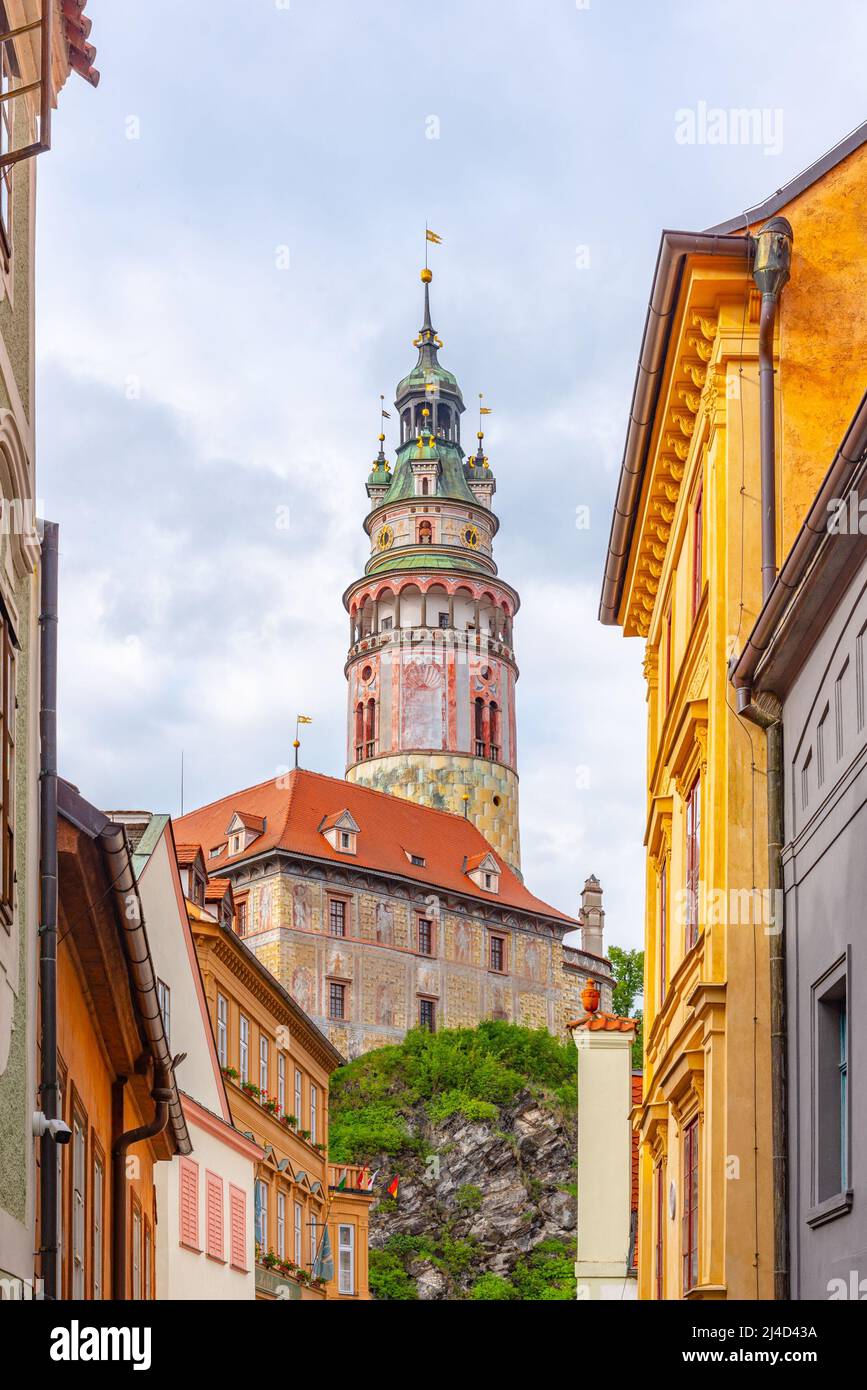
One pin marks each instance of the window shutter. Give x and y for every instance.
(214, 1208)
(238, 1220)
(189, 1203)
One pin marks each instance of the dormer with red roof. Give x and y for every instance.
(484, 870)
(341, 831)
(242, 830)
(191, 864)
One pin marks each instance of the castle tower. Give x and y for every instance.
(431, 666)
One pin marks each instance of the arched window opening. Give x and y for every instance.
(359, 731)
(495, 730)
(370, 729)
(425, 532)
(480, 727)
(425, 487)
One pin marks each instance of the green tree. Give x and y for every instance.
(628, 968)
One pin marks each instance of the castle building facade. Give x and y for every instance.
(394, 899)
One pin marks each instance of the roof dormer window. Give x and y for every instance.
(242, 830)
(484, 870)
(341, 832)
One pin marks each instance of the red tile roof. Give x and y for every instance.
(295, 805)
(595, 1023)
(216, 889)
(188, 853)
(77, 27)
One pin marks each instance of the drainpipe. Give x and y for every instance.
(48, 1220)
(162, 1095)
(770, 272)
(773, 245)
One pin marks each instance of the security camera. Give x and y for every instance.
(58, 1130)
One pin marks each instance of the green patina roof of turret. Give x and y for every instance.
(428, 367)
(389, 560)
(451, 482)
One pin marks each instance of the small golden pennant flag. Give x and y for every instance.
(485, 409)
(386, 415)
(432, 236)
(304, 719)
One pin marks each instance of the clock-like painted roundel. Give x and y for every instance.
(385, 538)
(470, 537)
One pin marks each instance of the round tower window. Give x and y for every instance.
(366, 673)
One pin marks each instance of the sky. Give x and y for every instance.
(230, 230)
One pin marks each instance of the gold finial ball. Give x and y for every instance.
(426, 276)
(480, 434)
(425, 410)
(296, 743)
(465, 796)
(381, 438)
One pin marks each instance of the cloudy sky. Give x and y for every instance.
(230, 233)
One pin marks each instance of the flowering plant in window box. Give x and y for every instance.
(320, 1147)
(290, 1121)
(269, 1259)
(229, 1073)
(250, 1089)
(268, 1104)
(304, 1133)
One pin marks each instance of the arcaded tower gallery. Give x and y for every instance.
(431, 666)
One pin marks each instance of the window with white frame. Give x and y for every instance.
(314, 1242)
(263, 1063)
(281, 1082)
(222, 1030)
(299, 1233)
(79, 1203)
(136, 1253)
(96, 1224)
(281, 1225)
(262, 1214)
(346, 1259)
(244, 1048)
(314, 1100)
(298, 1099)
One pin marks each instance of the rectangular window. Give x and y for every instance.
(498, 954)
(443, 620)
(79, 1203)
(299, 1098)
(659, 1249)
(263, 1063)
(314, 1108)
(314, 1242)
(697, 558)
(418, 860)
(238, 1220)
(7, 761)
(299, 1233)
(424, 930)
(164, 997)
(241, 911)
(262, 1215)
(690, 1206)
(336, 1000)
(222, 1030)
(693, 861)
(244, 1048)
(427, 1015)
(98, 1200)
(831, 1086)
(135, 1262)
(214, 1215)
(346, 1259)
(189, 1203)
(281, 1083)
(281, 1225)
(337, 916)
(663, 929)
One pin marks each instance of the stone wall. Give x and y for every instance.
(377, 960)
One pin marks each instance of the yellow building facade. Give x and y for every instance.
(684, 572)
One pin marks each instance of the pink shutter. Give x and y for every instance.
(189, 1203)
(238, 1221)
(214, 1215)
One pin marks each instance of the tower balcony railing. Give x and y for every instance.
(459, 640)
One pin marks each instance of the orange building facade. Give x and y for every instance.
(311, 1235)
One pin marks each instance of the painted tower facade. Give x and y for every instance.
(431, 667)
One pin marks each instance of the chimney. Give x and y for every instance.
(592, 917)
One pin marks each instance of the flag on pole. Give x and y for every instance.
(323, 1264)
(394, 1185)
(432, 236)
(304, 719)
(341, 1186)
(485, 409)
(374, 1175)
(362, 1179)
(386, 415)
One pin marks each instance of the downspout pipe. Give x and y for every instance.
(773, 258)
(771, 269)
(162, 1096)
(48, 1088)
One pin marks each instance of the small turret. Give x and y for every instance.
(592, 917)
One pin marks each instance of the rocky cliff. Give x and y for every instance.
(486, 1203)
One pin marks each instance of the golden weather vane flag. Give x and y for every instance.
(432, 236)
